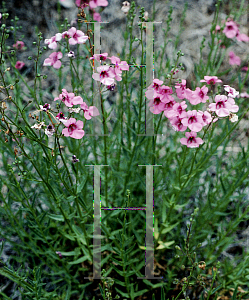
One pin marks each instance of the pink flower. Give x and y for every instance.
(52, 42)
(180, 89)
(69, 99)
(99, 57)
(166, 92)
(233, 59)
(244, 69)
(244, 95)
(53, 60)
(206, 117)
(177, 125)
(193, 120)
(18, 45)
(178, 109)
(191, 141)
(105, 75)
(231, 91)
(155, 85)
(242, 37)
(168, 107)
(90, 111)
(199, 95)
(76, 36)
(74, 129)
(223, 106)
(82, 3)
(19, 65)
(96, 17)
(95, 3)
(155, 104)
(210, 79)
(231, 29)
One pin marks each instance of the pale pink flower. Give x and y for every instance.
(99, 57)
(95, 3)
(231, 29)
(223, 106)
(168, 107)
(166, 92)
(178, 109)
(49, 131)
(19, 65)
(191, 141)
(244, 95)
(206, 117)
(45, 107)
(193, 120)
(105, 75)
(69, 99)
(210, 79)
(76, 36)
(52, 42)
(242, 37)
(74, 129)
(18, 45)
(233, 59)
(53, 60)
(155, 85)
(180, 89)
(199, 95)
(231, 91)
(90, 111)
(177, 125)
(96, 17)
(155, 104)
(82, 3)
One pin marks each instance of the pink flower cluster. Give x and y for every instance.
(162, 100)
(74, 37)
(73, 127)
(106, 74)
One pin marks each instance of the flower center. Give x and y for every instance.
(72, 127)
(192, 120)
(220, 104)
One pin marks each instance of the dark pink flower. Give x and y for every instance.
(74, 129)
(53, 60)
(231, 29)
(233, 59)
(210, 79)
(18, 45)
(191, 141)
(19, 65)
